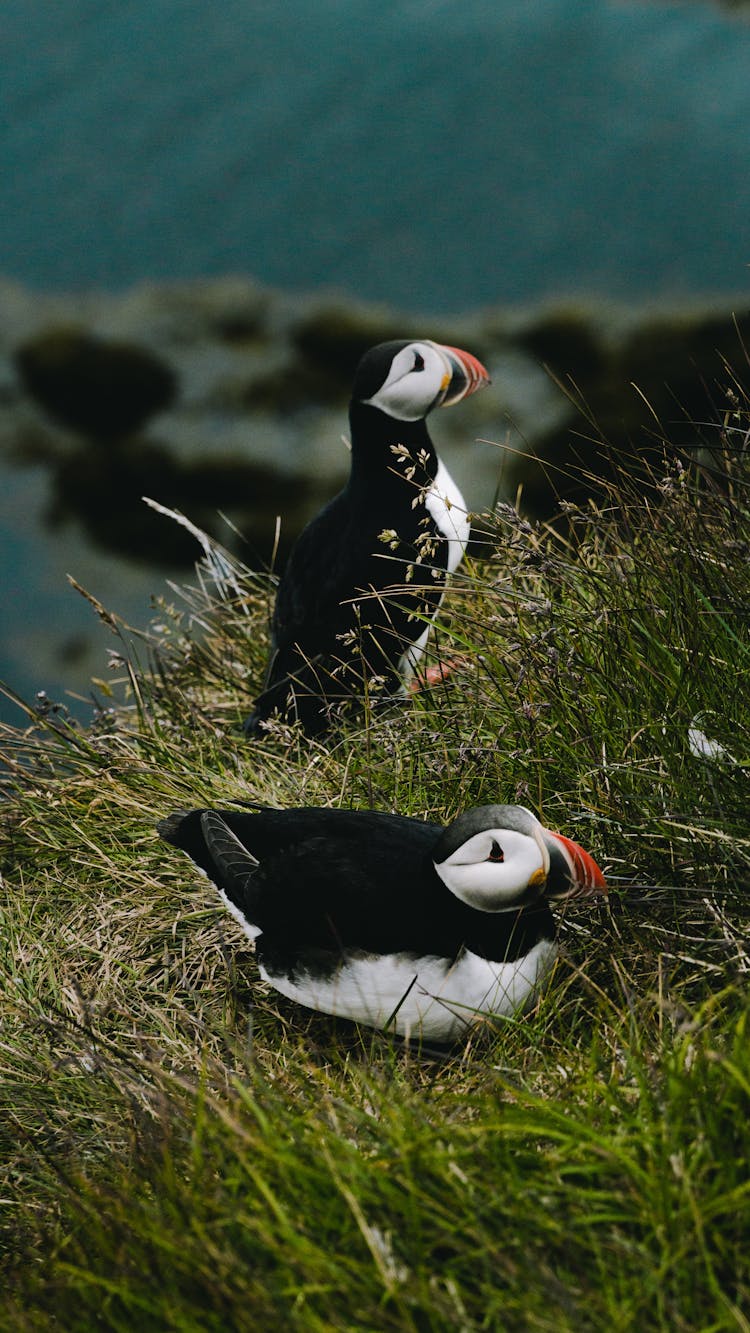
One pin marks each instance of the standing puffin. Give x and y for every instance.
(389, 921)
(366, 576)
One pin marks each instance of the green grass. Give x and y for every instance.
(182, 1149)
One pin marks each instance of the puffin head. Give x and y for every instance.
(407, 379)
(498, 858)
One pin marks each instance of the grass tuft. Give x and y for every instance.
(182, 1149)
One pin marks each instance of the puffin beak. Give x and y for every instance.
(464, 375)
(585, 876)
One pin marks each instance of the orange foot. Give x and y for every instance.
(433, 675)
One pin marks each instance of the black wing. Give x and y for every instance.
(332, 880)
(320, 575)
(317, 877)
(346, 608)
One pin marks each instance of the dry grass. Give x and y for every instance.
(183, 1150)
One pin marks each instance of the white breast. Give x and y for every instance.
(250, 930)
(447, 509)
(425, 997)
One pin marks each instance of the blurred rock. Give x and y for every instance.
(218, 395)
(333, 337)
(97, 387)
(104, 490)
(644, 379)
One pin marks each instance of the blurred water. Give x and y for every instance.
(433, 154)
(51, 639)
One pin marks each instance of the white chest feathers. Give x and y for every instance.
(447, 509)
(422, 997)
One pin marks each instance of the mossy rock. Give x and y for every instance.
(293, 387)
(568, 342)
(96, 387)
(667, 381)
(233, 309)
(102, 487)
(334, 338)
(683, 366)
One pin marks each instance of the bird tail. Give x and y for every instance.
(206, 837)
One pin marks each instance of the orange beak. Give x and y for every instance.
(586, 877)
(467, 374)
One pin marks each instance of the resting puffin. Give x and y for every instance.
(366, 576)
(389, 921)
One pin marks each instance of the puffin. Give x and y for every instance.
(398, 924)
(364, 580)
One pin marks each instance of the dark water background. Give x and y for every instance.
(437, 156)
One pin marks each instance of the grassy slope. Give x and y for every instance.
(183, 1150)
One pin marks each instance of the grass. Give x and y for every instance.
(184, 1150)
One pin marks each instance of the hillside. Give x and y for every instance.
(184, 1150)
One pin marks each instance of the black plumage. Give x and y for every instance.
(367, 574)
(348, 905)
(336, 880)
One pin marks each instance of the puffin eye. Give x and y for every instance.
(418, 361)
(496, 852)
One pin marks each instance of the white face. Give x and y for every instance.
(491, 870)
(419, 375)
